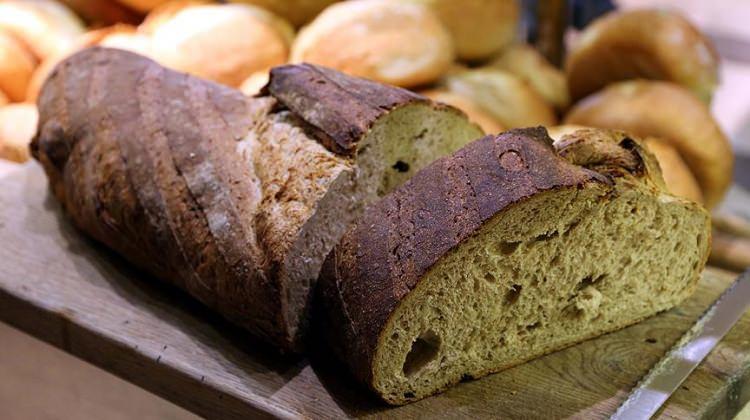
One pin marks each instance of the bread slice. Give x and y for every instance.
(240, 198)
(508, 249)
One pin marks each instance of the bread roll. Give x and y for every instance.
(121, 36)
(165, 12)
(648, 44)
(391, 42)
(223, 43)
(17, 128)
(3, 98)
(479, 28)
(45, 26)
(297, 12)
(143, 5)
(669, 112)
(677, 175)
(475, 113)
(102, 12)
(527, 63)
(502, 95)
(16, 67)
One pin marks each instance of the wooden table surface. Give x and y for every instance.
(64, 289)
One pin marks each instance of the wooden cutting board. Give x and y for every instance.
(67, 290)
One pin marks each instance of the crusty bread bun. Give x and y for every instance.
(16, 66)
(677, 175)
(224, 43)
(479, 28)
(3, 98)
(678, 178)
(672, 113)
(527, 63)
(143, 5)
(121, 36)
(163, 13)
(298, 12)
(475, 113)
(505, 97)
(17, 127)
(46, 27)
(102, 12)
(391, 42)
(647, 44)
(255, 82)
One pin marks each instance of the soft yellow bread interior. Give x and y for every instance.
(556, 269)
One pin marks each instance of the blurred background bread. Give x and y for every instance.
(46, 27)
(648, 44)
(403, 44)
(223, 43)
(142, 5)
(17, 64)
(479, 28)
(475, 113)
(527, 63)
(507, 98)
(17, 127)
(672, 113)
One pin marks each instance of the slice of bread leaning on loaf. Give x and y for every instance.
(509, 249)
(236, 200)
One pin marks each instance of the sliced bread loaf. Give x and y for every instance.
(508, 249)
(236, 200)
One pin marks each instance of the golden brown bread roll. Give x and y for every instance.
(102, 12)
(527, 63)
(122, 36)
(255, 82)
(298, 12)
(224, 43)
(479, 28)
(475, 113)
(163, 13)
(502, 95)
(678, 178)
(17, 127)
(16, 66)
(647, 44)
(391, 42)
(3, 98)
(44, 26)
(672, 113)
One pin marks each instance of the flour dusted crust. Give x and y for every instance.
(410, 324)
(240, 198)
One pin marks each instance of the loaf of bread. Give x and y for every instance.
(671, 113)
(241, 198)
(17, 127)
(678, 177)
(525, 62)
(298, 12)
(475, 112)
(647, 44)
(17, 65)
(46, 27)
(391, 42)
(224, 43)
(479, 28)
(508, 249)
(505, 97)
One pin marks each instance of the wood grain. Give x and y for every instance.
(60, 287)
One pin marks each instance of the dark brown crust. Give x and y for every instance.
(381, 259)
(145, 160)
(338, 108)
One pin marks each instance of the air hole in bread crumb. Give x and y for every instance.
(507, 248)
(424, 350)
(401, 166)
(490, 277)
(589, 281)
(546, 236)
(408, 395)
(533, 326)
(512, 295)
(651, 340)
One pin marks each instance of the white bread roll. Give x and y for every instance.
(223, 43)
(479, 28)
(17, 64)
(45, 26)
(397, 43)
(17, 127)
